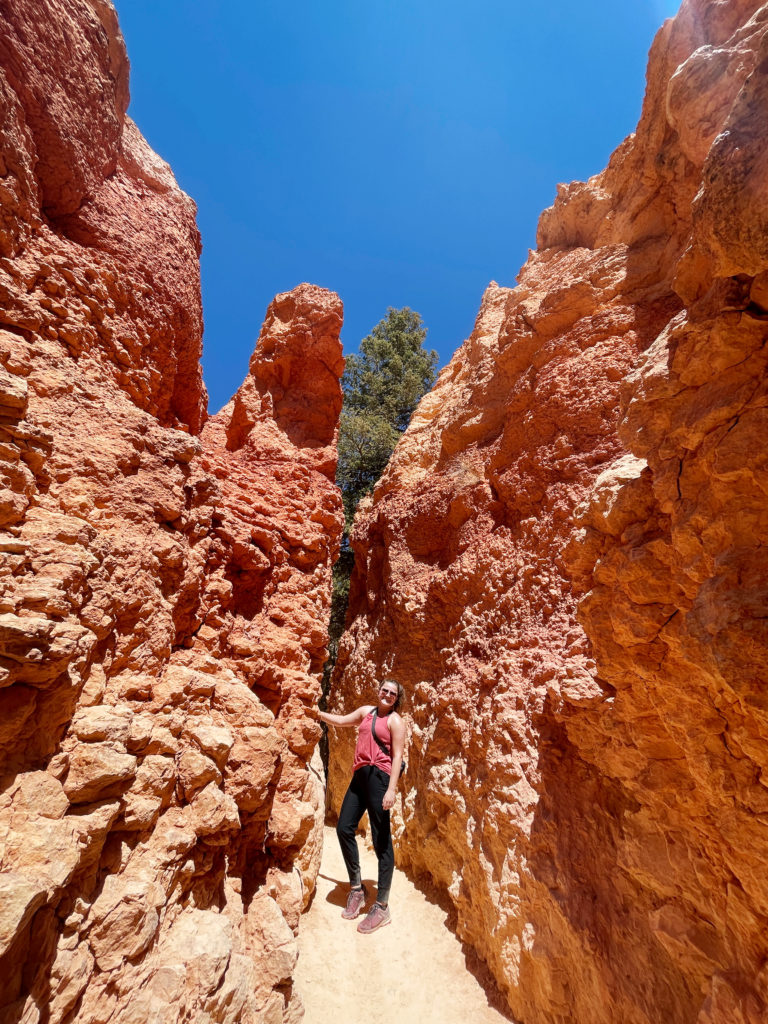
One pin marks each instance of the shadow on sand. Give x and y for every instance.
(338, 895)
(475, 965)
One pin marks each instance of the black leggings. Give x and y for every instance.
(366, 792)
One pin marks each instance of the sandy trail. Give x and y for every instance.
(412, 971)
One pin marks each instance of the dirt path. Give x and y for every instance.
(411, 972)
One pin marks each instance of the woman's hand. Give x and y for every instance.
(388, 800)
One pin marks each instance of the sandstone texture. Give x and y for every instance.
(164, 582)
(565, 563)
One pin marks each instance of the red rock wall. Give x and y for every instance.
(565, 565)
(163, 592)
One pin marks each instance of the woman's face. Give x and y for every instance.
(388, 694)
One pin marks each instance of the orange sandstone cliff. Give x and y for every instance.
(164, 582)
(565, 563)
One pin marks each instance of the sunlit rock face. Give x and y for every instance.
(163, 592)
(565, 563)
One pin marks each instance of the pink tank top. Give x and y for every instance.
(367, 750)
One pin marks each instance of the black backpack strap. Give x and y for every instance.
(386, 750)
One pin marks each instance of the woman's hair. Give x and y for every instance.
(400, 692)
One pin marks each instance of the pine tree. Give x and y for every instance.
(382, 386)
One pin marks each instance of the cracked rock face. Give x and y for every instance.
(164, 582)
(565, 565)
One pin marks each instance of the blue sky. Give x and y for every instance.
(396, 151)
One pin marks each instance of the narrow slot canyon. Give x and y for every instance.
(564, 564)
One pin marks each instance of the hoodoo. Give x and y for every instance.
(565, 564)
(165, 592)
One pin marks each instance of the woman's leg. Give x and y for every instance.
(378, 781)
(352, 810)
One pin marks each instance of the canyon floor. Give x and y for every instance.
(411, 971)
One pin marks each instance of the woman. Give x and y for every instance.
(376, 771)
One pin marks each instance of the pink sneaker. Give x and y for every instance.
(376, 917)
(355, 903)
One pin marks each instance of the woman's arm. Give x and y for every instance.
(397, 732)
(344, 721)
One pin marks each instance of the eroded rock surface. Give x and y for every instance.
(163, 592)
(565, 565)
